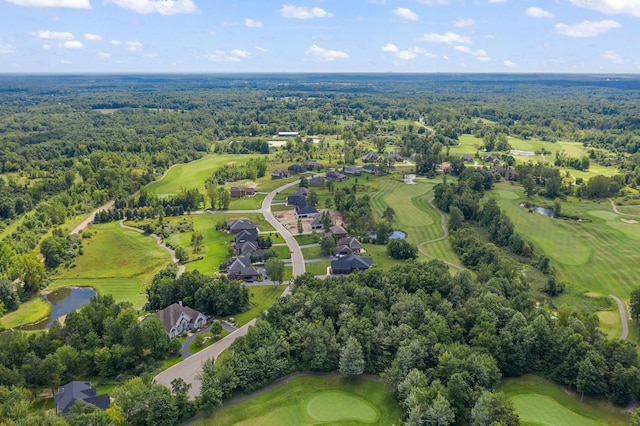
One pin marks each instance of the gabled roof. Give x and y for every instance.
(169, 315)
(297, 199)
(302, 191)
(351, 170)
(246, 248)
(396, 157)
(246, 235)
(306, 209)
(279, 172)
(370, 168)
(337, 229)
(241, 267)
(317, 220)
(79, 391)
(350, 242)
(342, 249)
(238, 225)
(351, 263)
(371, 157)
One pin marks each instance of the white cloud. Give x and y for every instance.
(462, 22)
(150, 55)
(406, 55)
(235, 55)
(405, 13)
(53, 35)
(300, 12)
(536, 12)
(252, 24)
(510, 64)
(46, 46)
(613, 57)
(498, 1)
(390, 47)
(163, 7)
(436, 2)
(72, 4)
(629, 7)
(7, 49)
(446, 38)
(260, 49)
(93, 37)
(133, 46)
(320, 54)
(116, 42)
(480, 54)
(587, 28)
(104, 55)
(71, 44)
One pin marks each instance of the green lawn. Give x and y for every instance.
(28, 313)
(247, 203)
(261, 297)
(539, 402)
(598, 255)
(317, 268)
(380, 257)
(310, 400)
(116, 261)
(312, 253)
(195, 348)
(307, 239)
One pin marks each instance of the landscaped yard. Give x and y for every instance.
(540, 402)
(261, 297)
(317, 268)
(28, 313)
(310, 400)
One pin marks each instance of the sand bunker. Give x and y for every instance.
(629, 220)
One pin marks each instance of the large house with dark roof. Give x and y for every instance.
(239, 225)
(312, 165)
(351, 171)
(349, 264)
(279, 174)
(337, 232)
(305, 211)
(335, 176)
(79, 391)
(371, 157)
(296, 168)
(248, 235)
(239, 268)
(177, 319)
(241, 192)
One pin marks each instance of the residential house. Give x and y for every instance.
(349, 264)
(508, 174)
(443, 167)
(305, 211)
(296, 200)
(246, 248)
(239, 225)
(491, 159)
(79, 391)
(296, 168)
(337, 232)
(247, 235)
(312, 165)
(466, 158)
(371, 168)
(371, 157)
(240, 192)
(177, 319)
(316, 223)
(302, 191)
(351, 171)
(342, 251)
(353, 244)
(316, 181)
(396, 157)
(334, 176)
(279, 174)
(239, 268)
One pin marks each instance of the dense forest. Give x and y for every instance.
(71, 143)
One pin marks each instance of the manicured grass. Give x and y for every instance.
(28, 313)
(312, 253)
(281, 208)
(633, 210)
(599, 255)
(317, 268)
(116, 261)
(307, 239)
(247, 203)
(195, 348)
(261, 297)
(283, 252)
(193, 174)
(610, 323)
(540, 402)
(380, 257)
(310, 400)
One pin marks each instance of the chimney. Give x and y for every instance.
(180, 302)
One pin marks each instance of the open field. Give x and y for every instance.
(312, 253)
(539, 402)
(28, 313)
(599, 255)
(247, 203)
(311, 400)
(260, 297)
(318, 268)
(116, 261)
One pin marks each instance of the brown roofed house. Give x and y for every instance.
(177, 318)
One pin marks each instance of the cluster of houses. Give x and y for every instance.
(495, 164)
(346, 253)
(372, 157)
(296, 169)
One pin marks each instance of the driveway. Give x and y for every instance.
(189, 368)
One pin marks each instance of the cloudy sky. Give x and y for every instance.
(54, 36)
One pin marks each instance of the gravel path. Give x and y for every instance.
(92, 216)
(623, 317)
(445, 231)
(615, 209)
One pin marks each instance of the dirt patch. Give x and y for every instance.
(288, 219)
(629, 220)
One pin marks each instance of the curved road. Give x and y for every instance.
(90, 218)
(445, 231)
(615, 209)
(189, 368)
(623, 317)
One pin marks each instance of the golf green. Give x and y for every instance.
(542, 410)
(333, 406)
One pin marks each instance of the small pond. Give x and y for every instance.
(541, 210)
(397, 235)
(64, 300)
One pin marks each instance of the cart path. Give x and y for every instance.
(82, 226)
(445, 235)
(161, 243)
(623, 317)
(615, 209)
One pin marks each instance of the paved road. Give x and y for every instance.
(189, 368)
(623, 317)
(445, 231)
(92, 216)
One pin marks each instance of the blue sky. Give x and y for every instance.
(57, 36)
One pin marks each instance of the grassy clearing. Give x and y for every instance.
(307, 239)
(247, 203)
(380, 257)
(312, 253)
(116, 261)
(318, 268)
(610, 323)
(302, 400)
(261, 297)
(28, 313)
(540, 402)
